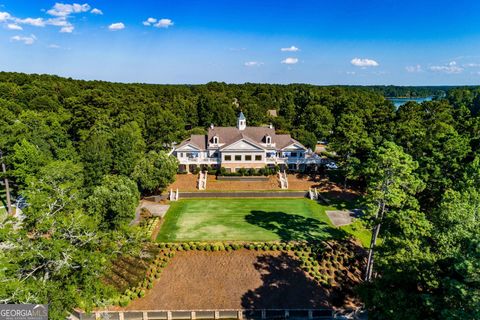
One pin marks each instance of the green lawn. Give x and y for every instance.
(250, 220)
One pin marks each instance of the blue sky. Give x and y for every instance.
(319, 42)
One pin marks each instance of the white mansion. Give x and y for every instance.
(243, 147)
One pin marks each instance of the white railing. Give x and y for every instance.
(198, 160)
(239, 314)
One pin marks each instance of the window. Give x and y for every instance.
(258, 158)
(215, 155)
(238, 157)
(269, 140)
(248, 158)
(228, 158)
(215, 140)
(293, 154)
(181, 155)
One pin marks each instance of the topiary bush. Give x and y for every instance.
(124, 301)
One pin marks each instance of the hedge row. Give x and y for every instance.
(153, 273)
(226, 246)
(324, 264)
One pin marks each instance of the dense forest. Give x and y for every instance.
(82, 152)
(410, 92)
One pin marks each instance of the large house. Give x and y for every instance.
(243, 147)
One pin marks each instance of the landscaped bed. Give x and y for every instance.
(252, 220)
(243, 254)
(248, 276)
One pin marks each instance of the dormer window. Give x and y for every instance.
(268, 140)
(215, 140)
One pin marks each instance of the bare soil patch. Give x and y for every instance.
(297, 182)
(240, 279)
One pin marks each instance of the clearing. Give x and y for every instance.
(238, 280)
(253, 220)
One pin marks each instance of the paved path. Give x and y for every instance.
(343, 217)
(156, 209)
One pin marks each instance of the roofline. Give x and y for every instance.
(246, 139)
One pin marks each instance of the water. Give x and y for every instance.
(401, 101)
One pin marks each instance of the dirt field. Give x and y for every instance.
(239, 279)
(188, 182)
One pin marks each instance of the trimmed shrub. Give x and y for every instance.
(141, 293)
(251, 247)
(124, 301)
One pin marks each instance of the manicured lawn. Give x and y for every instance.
(248, 220)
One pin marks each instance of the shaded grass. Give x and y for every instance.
(249, 220)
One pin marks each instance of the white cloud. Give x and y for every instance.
(149, 21)
(96, 11)
(253, 64)
(164, 23)
(472, 65)
(412, 69)
(61, 13)
(26, 40)
(36, 22)
(290, 49)
(58, 22)
(290, 61)
(159, 23)
(449, 68)
(63, 10)
(4, 16)
(67, 29)
(363, 63)
(54, 46)
(66, 26)
(116, 26)
(14, 26)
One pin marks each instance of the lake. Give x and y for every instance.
(401, 101)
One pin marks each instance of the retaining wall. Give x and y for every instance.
(244, 194)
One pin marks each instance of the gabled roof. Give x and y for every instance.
(227, 135)
(243, 138)
(241, 116)
(230, 135)
(197, 140)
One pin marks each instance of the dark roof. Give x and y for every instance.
(229, 135)
(241, 116)
(198, 140)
